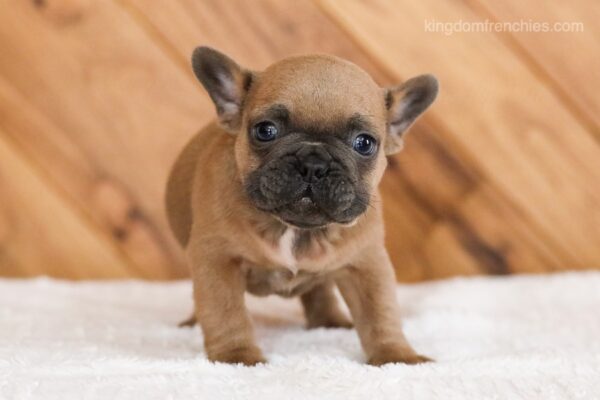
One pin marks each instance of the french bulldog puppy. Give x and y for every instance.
(279, 196)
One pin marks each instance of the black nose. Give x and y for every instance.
(313, 168)
(313, 163)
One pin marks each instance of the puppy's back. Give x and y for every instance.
(179, 189)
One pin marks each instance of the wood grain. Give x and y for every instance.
(46, 234)
(501, 176)
(569, 62)
(105, 110)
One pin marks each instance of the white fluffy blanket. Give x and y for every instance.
(527, 337)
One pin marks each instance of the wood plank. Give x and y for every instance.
(107, 100)
(526, 144)
(568, 61)
(39, 231)
(102, 108)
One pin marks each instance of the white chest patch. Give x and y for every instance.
(285, 249)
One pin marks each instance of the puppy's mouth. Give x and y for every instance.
(303, 225)
(305, 211)
(306, 199)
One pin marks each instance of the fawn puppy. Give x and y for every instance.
(279, 195)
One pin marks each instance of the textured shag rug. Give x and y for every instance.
(525, 337)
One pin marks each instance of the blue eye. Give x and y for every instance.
(265, 131)
(364, 144)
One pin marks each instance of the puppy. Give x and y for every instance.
(279, 196)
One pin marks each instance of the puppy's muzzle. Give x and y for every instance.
(307, 187)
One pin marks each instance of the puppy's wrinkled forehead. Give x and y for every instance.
(318, 90)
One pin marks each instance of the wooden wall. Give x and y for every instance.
(97, 98)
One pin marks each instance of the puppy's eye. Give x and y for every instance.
(364, 144)
(265, 131)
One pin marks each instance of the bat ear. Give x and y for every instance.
(405, 103)
(226, 83)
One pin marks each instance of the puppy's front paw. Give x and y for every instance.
(242, 355)
(397, 354)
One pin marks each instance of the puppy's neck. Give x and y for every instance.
(289, 245)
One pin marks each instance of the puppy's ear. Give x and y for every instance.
(226, 83)
(405, 103)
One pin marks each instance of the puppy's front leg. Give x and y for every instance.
(219, 287)
(368, 287)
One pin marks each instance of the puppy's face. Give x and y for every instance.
(312, 132)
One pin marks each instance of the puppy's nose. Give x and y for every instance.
(313, 161)
(312, 168)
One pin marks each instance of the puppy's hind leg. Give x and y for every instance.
(188, 322)
(322, 308)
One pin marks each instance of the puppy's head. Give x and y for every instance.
(312, 132)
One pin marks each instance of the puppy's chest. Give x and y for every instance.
(291, 264)
(263, 281)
